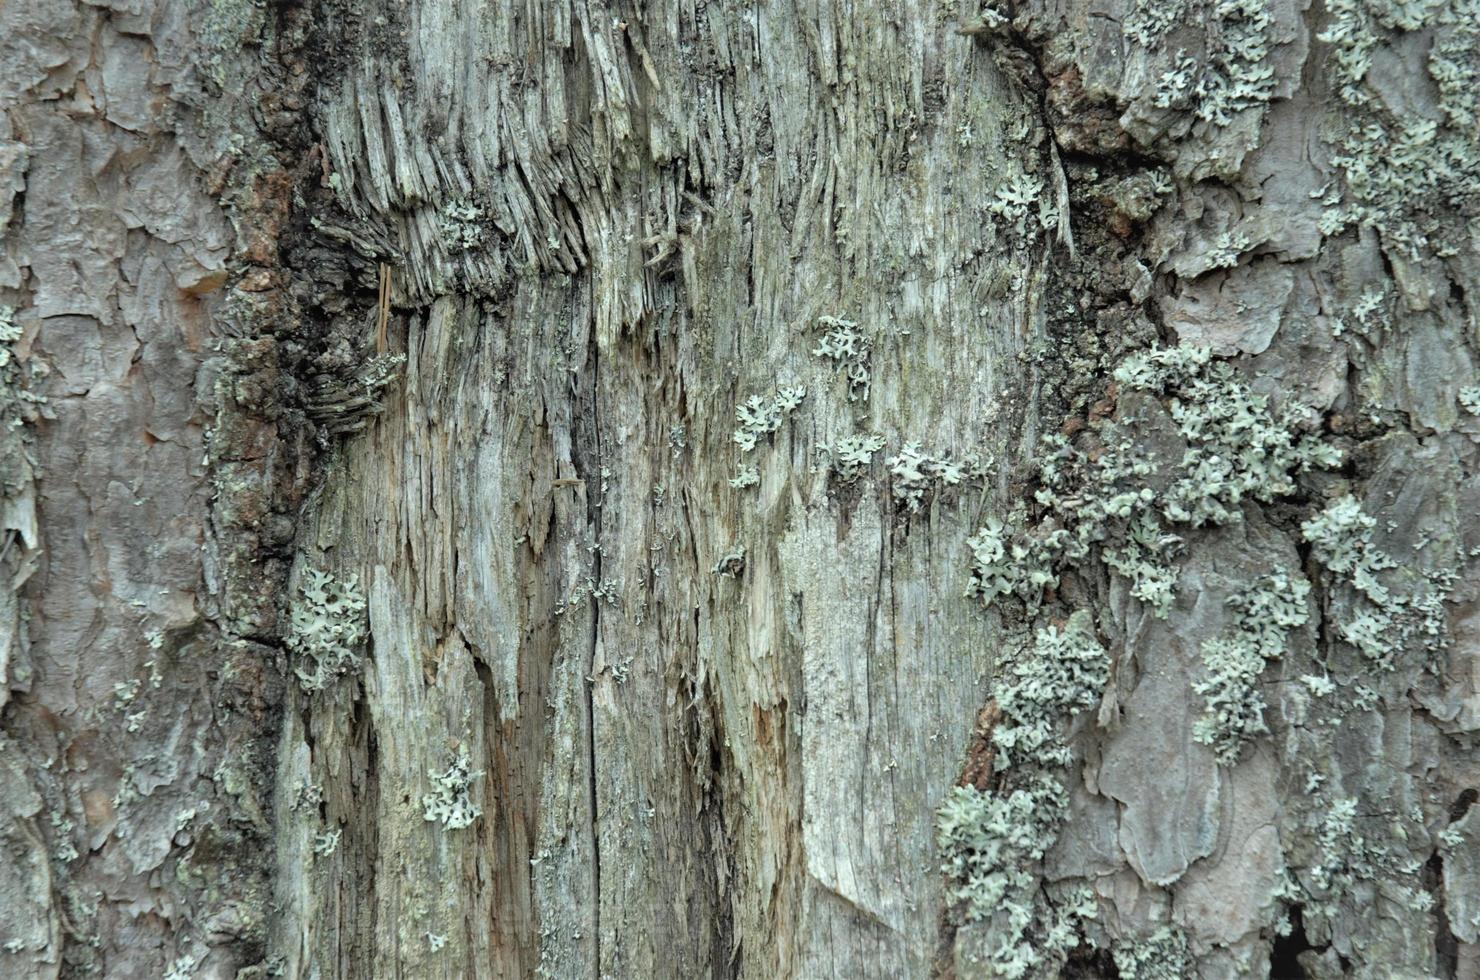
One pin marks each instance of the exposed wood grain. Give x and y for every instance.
(453, 305)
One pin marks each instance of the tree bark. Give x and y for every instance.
(489, 489)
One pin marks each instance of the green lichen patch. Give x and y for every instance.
(758, 418)
(326, 842)
(1162, 955)
(10, 332)
(17, 406)
(1232, 71)
(1384, 623)
(327, 627)
(1459, 849)
(462, 225)
(1351, 853)
(1233, 707)
(851, 455)
(993, 841)
(1065, 673)
(914, 473)
(1413, 175)
(1469, 399)
(1127, 491)
(845, 343)
(1024, 206)
(450, 802)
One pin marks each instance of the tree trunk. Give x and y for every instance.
(687, 489)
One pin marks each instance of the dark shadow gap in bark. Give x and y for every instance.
(1446, 946)
(1284, 957)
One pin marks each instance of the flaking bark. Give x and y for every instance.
(391, 595)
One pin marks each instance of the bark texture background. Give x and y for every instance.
(394, 592)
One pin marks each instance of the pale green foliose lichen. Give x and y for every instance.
(17, 404)
(759, 417)
(992, 842)
(1227, 249)
(326, 842)
(1003, 566)
(1233, 708)
(450, 803)
(327, 625)
(1346, 861)
(1163, 955)
(1408, 174)
(1023, 207)
(1065, 673)
(843, 342)
(1459, 849)
(462, 225)
(1231, 73)
(1386, 623)
(851, 455)
(10, 332)
(1126, 505)
(746, 475)
(913, 472)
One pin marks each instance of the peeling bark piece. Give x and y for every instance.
(1167, 784)
(1227, 897)
(1233, 312)
(1459, 844)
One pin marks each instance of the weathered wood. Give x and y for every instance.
(509, 472)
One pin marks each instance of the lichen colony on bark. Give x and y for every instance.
(608, 489)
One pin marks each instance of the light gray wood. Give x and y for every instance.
(448, 309)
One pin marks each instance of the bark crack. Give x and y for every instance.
(594, 506)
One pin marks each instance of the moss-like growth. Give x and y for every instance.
(746, 475)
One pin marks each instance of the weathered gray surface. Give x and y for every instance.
(592, 232)
(687, 773)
